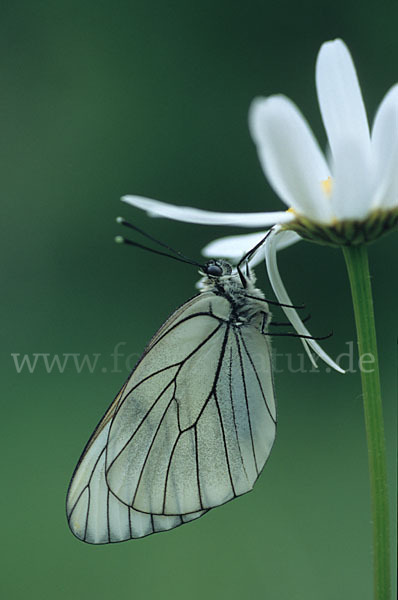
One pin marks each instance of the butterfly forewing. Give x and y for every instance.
(190, 430)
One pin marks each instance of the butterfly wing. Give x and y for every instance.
(190, 430)
(94, 514)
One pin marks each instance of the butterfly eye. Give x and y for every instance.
(214, 269)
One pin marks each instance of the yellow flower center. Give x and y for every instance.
(327, 186)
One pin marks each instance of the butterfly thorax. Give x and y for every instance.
(245, 302)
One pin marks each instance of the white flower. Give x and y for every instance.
(348, 197)
(361, 175)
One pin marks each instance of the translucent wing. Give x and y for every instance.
(95, 515)
(197, 420)
(191, 429)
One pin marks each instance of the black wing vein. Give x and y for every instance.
(256, 374)
(246, 399)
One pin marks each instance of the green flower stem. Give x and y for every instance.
(356, 258)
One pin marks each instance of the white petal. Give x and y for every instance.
(290, 156)
(353, 182)
(282, 295)
(234, 247)
(207, 217)
(340, 98)
(385, 151)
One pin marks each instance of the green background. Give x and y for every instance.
(100, 99)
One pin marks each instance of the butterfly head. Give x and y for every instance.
(220, 275)
(214, 269)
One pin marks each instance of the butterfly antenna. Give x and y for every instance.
(119, 239)
(176, 254)
(122, 221)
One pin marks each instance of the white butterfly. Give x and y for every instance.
(193, 425)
